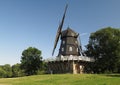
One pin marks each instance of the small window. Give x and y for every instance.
(72, 34)
(77, 49)
(63, 42)
(62, 49)
(76, 42)
(70, 48)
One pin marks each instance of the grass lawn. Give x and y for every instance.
(64, 79)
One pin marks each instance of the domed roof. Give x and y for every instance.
(69, 33)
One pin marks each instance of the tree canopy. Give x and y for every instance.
(104, 46)
(31, 60)
(5, 71)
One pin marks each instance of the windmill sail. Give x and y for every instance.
(59, 30)
(80, 47)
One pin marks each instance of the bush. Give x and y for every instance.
(2, 73)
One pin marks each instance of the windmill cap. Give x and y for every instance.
(69, 33)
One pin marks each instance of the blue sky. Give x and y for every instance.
(25, 23)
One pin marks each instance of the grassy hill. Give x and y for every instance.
(64, 79)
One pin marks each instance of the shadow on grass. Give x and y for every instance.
(113, 75)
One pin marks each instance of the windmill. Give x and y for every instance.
(70, 45)
(71, 58)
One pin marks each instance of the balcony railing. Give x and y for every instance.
(68, 58)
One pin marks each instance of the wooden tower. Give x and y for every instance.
(69, 43)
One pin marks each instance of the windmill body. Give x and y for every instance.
(69, 43)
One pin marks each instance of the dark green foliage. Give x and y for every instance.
(2, 73)
(31, 60)
(17, 71)
(104, 46)
(43, 69)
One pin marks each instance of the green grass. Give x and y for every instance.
(64, 79)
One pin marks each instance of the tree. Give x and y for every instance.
(5, 71)
(17, 71)
(104, 46)
(31, 60)
(2, 73)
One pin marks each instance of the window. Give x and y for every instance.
(62, 49)
(72, 34)
(70, 48)
(77, 49)
(76, 42)
(63, 42)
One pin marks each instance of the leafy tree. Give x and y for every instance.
(5, 71)
(104, 46)
(7, 68)
(2, 73)
(43, 68)
(17, 71)
(31, 60)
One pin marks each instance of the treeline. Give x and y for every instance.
(31, 64)
(8, 71)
